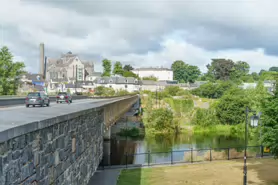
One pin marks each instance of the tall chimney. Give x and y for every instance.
(42, 59)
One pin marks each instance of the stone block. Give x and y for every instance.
(16, 154)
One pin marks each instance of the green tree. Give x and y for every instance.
(128, 68)
(270, 123)
(162, 120)
(150, 78)
(255, 76)
(231, 107)
(178, 68)
(184, 72)
(273, 69)
(130, 74)
(172, 90)
(118, 69)
(106, 64)
(10, 72)
(220, 69)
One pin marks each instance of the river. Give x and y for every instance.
(164, 148)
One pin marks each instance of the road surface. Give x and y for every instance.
(11, 117)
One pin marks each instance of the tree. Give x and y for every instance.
(270, 120)
(231, 107)
(162, 120)
(106, 64)
(128, 68)
(10, 72)
(118, 69)
(255, 76)
(220, 69)
(184, 72)
(130, 74)
(150, 78)
(172, 90)
(240, 72)
(178, 68)
(273, 69)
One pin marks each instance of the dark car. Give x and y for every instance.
(64, 97)
(37, 98)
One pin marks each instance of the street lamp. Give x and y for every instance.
(254, 123)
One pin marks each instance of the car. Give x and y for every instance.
(64, 97)
(37, 98)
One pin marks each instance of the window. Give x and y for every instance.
(126, 81)
(111, 81)
(125, 86)
(110, 86)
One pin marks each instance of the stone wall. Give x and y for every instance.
(65, 153)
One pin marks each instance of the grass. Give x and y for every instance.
(260, 172)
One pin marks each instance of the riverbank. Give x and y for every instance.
(261, 171)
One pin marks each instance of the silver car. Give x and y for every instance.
(64, 97)
(37, 98)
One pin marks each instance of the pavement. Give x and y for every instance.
(105, 177)
(11, 117)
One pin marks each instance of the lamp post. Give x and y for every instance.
(254, 123)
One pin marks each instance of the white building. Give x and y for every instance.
(159, 73)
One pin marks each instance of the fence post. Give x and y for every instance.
(149, 155)
(126, 159)
(191, 155)
(171, 156)
(228, 153)
(210, 154)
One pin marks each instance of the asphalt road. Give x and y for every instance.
(11, 117)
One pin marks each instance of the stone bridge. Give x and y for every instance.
(61, 144)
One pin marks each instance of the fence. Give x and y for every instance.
(127, 160)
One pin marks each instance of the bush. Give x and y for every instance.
(133, 132)
(205, 117)
(161, 119)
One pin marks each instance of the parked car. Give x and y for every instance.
(37, 98)
(64, 97)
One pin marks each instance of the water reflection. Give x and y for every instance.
(157, 149)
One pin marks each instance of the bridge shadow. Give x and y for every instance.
(131, 177)
(260, 169)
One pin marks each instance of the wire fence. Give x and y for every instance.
(128, 160)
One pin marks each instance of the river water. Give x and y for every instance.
(163, 148)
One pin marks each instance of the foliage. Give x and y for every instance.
(106, 64)
(161, 120)
(10, 72)
(172, 90)
(270, 123)
(150, 78)
(133, 132)
(104, 91)
(231, 107)
(128, 68)
(268, 75)
(205, 117)
(184, 72)
(273, 69)
(130, 74)
(121, 92)
(213, 90)
(220, 69)
(118, 69)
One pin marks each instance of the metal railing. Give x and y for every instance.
(172, 157)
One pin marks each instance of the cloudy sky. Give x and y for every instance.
(143, 32)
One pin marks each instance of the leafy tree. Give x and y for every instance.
(270, 123)
(178, 68)
(122, 92)
(161, 119)
(106, 64)
(10, 72)
(268, 75)
(231, 107)
(220, 69)
(261, 72)
(130, 74)
(150, 78)
(100, 90)
(128, 68)
(273, 69)
(184, 72)
(118, 69)
(255, 76)
(172, 90)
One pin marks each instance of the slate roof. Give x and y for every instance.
(148, 82)
(116, 80)
(33, 77)
(152, 69)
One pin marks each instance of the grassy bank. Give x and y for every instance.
(260, 172)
